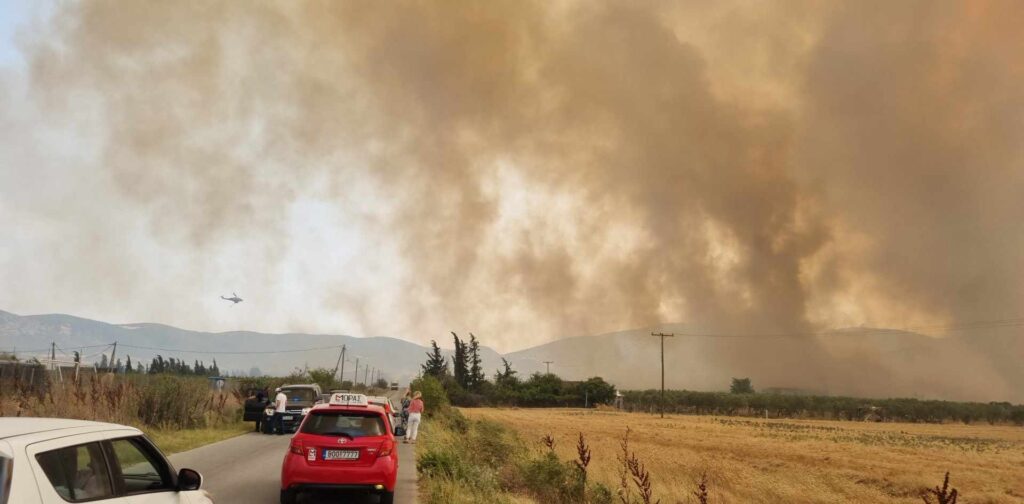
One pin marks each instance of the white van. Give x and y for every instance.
(56, 460)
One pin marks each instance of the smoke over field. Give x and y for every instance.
(532, 170)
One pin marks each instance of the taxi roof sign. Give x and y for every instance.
(348, 399)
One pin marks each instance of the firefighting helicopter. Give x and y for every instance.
(234, 299)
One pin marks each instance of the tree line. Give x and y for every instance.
(466, 384)
(825, 407)
(175, 366)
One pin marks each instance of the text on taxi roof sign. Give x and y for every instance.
(345, 399)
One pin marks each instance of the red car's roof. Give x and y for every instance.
(347, 407)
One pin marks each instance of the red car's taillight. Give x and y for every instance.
(386, 448)
(296, 447)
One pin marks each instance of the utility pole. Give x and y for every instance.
(110, 365)
(53, 354)
(341, 362)
(355, 376)
(663, 336)
(366, 371)
(548, 363)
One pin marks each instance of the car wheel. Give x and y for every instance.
(287, 497)
(387, 498)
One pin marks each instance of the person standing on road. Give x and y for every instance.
(254, 407)
(280, 401)
(415, 415)
(406, 400)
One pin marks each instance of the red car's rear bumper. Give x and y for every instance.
(296, 474)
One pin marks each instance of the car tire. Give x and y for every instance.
(387, 498)
(287, 497)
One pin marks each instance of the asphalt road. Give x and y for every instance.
(247, 470)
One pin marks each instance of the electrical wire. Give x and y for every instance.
(222, 352)
(962, 327)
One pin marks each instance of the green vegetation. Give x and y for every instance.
(321, 376)
(172, 366)
(466, 384)
(470, 461)
(741, 386)
(174, 441)
(824, 407)
(151, 402)
(461, 460)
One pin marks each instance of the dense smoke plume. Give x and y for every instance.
(539, 170)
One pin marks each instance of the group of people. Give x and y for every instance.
(412, 414)
(259, 402)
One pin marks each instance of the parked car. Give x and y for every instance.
(346, 444)
(385, 403)
(254, 410)
(301, 397)
(56, 460)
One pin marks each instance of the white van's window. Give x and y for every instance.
(6, 471)
(138, 468)
(77, 473)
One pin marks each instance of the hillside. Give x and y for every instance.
(32, 334)
(864, 362)
(860, 362)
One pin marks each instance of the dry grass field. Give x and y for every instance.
(754, 460)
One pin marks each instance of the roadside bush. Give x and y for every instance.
(435, 400)
(548, 479)
(163, 401)
(599, 493)
(441, 462)
(173, 402)
(492, 443)
(325, 378)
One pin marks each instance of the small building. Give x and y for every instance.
(217, 383)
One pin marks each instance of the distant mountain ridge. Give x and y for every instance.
(857, 361)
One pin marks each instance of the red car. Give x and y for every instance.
(346, 444)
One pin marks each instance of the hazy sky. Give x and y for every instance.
(522, 170)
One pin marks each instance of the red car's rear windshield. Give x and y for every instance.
(344, 423)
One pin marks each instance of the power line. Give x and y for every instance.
(960, 327)
(221, 352)
(47, 349)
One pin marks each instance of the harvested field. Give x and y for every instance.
(751, 460)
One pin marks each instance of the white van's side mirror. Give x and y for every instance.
(189, 479)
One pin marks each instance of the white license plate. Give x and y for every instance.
(287, 417)
(341, 454)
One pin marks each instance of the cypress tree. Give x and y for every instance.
(476, 370)
(436, 365)
(460, 364)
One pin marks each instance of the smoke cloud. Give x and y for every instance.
(533, 170)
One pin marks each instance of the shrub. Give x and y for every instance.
(435, 400)
(441, 462)
(173, 402)
(943, 495)
(548, 479)
(598, 493)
